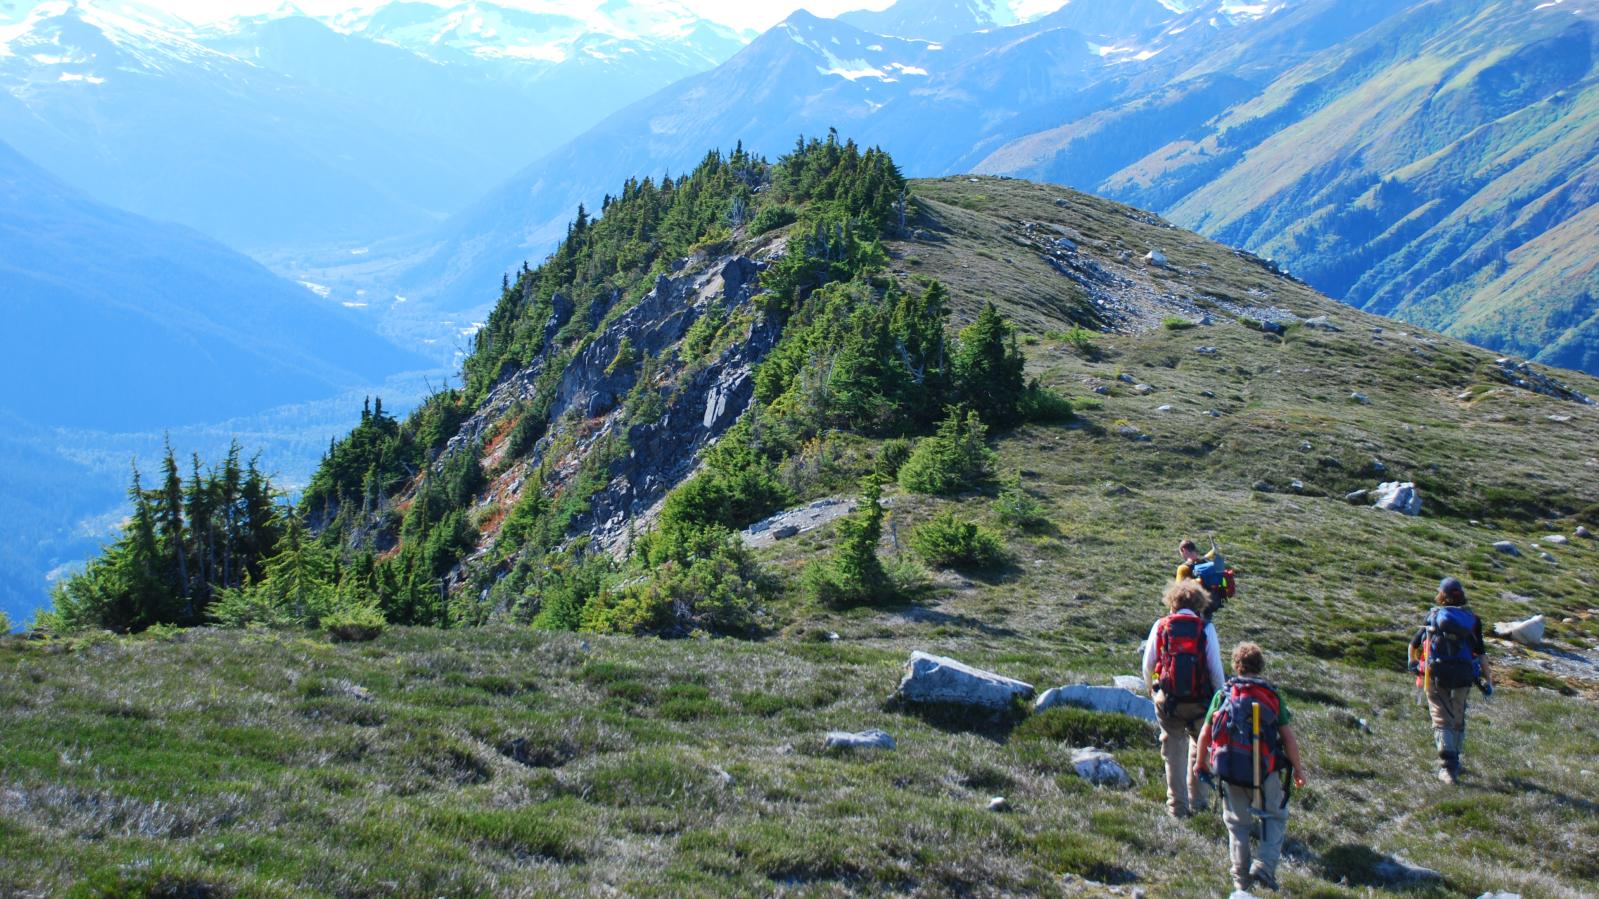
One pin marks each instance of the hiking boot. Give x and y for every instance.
(1242, 884)
(1448, 776)
(1177, 813)
(1264, 878)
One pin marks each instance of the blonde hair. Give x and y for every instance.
(1185, 594)
(1248, 659)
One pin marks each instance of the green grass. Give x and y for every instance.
(502, 761)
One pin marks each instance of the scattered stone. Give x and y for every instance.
(1131, 433)
(1130, 682)
(998, 804)
(1321, 322)
(1263, 487)
(1378, 466)
(1297, 486)
(1527, 633)
(1522, 374)
(1206, 350)
(1163, 408)
(1143, 389)
(930, 678)
(1213, 413)
(1500, 896)
(785, 531)
(1556, 539)
(1305, 447)
(1118, 699)
(1546, 557)
(1118, 490)
(1394, 496)
(1065, 243)
(1062, 202)
(1583, 533)
(1102, 390)
(1358, 497)
(1394, 870)
(1559, 419)
(1155, 258)
(1360, 398)
(1208, 394)
(1125, 378)
(1507, 547)
(1100, 767)
(866, 739)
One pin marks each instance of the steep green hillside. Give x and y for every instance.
(508, 761)
(1434, 163)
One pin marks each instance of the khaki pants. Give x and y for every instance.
(1273, 824)
(1448, 709)
(1178, 737)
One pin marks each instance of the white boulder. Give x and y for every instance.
(1507, 547)
(1396, 496)
(1100, 699)
(866, 739)
(1527, 633)
(1130, 682)
(1155, 258)
(930, 678)
(1100, 767)
(1556, 539)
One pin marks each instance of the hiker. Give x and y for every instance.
(1249, 743)
(1448, 656)
(1210, 570)
(1182, 666)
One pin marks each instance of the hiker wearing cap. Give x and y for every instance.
(1249, 744)
(1209, 570)
(1182, 666)
(1448, 656)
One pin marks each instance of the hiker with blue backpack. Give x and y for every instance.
(1448, 657)
(1249, 743)
(1211, 571)
(1182, 667)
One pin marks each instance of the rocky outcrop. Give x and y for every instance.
(1101, 699)
(866, 739)
(1100, 767)
(1527, 633)
(1394, 496)
(935, 679)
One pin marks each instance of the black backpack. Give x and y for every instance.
(1451, 635)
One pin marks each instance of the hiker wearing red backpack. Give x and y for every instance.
(1182, 666)
(1212, 573)
(1448, 656)
(1248, 742)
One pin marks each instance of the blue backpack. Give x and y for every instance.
(1452, 660)
(1215, 576)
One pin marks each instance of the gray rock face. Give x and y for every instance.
(930, 678)
(1507, 547)
(866, 739)
(1100, 767)
(1396, 496)
(1527, 633)
(1118, 699)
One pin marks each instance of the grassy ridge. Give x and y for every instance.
(496, 761)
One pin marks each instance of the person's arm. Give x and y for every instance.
(1213, 657)
(1291, 749)
(1184, 571)
(1202, 750)
(1149, 655)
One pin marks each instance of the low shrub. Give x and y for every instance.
(949, 541)
(954, 459)
(1177, 323)
(354, 624)
(1017, 508)
(718, 593)
(1071, 726)
(777, 215)
(1044, 405)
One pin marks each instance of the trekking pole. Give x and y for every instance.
(1254, 745)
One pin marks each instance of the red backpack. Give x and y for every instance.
(1180, 670)
(1232, 732)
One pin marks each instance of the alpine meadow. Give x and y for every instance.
(803, 520)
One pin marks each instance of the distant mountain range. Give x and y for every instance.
(1429, 159)
(285, 130)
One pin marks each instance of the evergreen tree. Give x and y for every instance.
(988, 368)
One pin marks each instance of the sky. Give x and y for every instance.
(753, 14)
